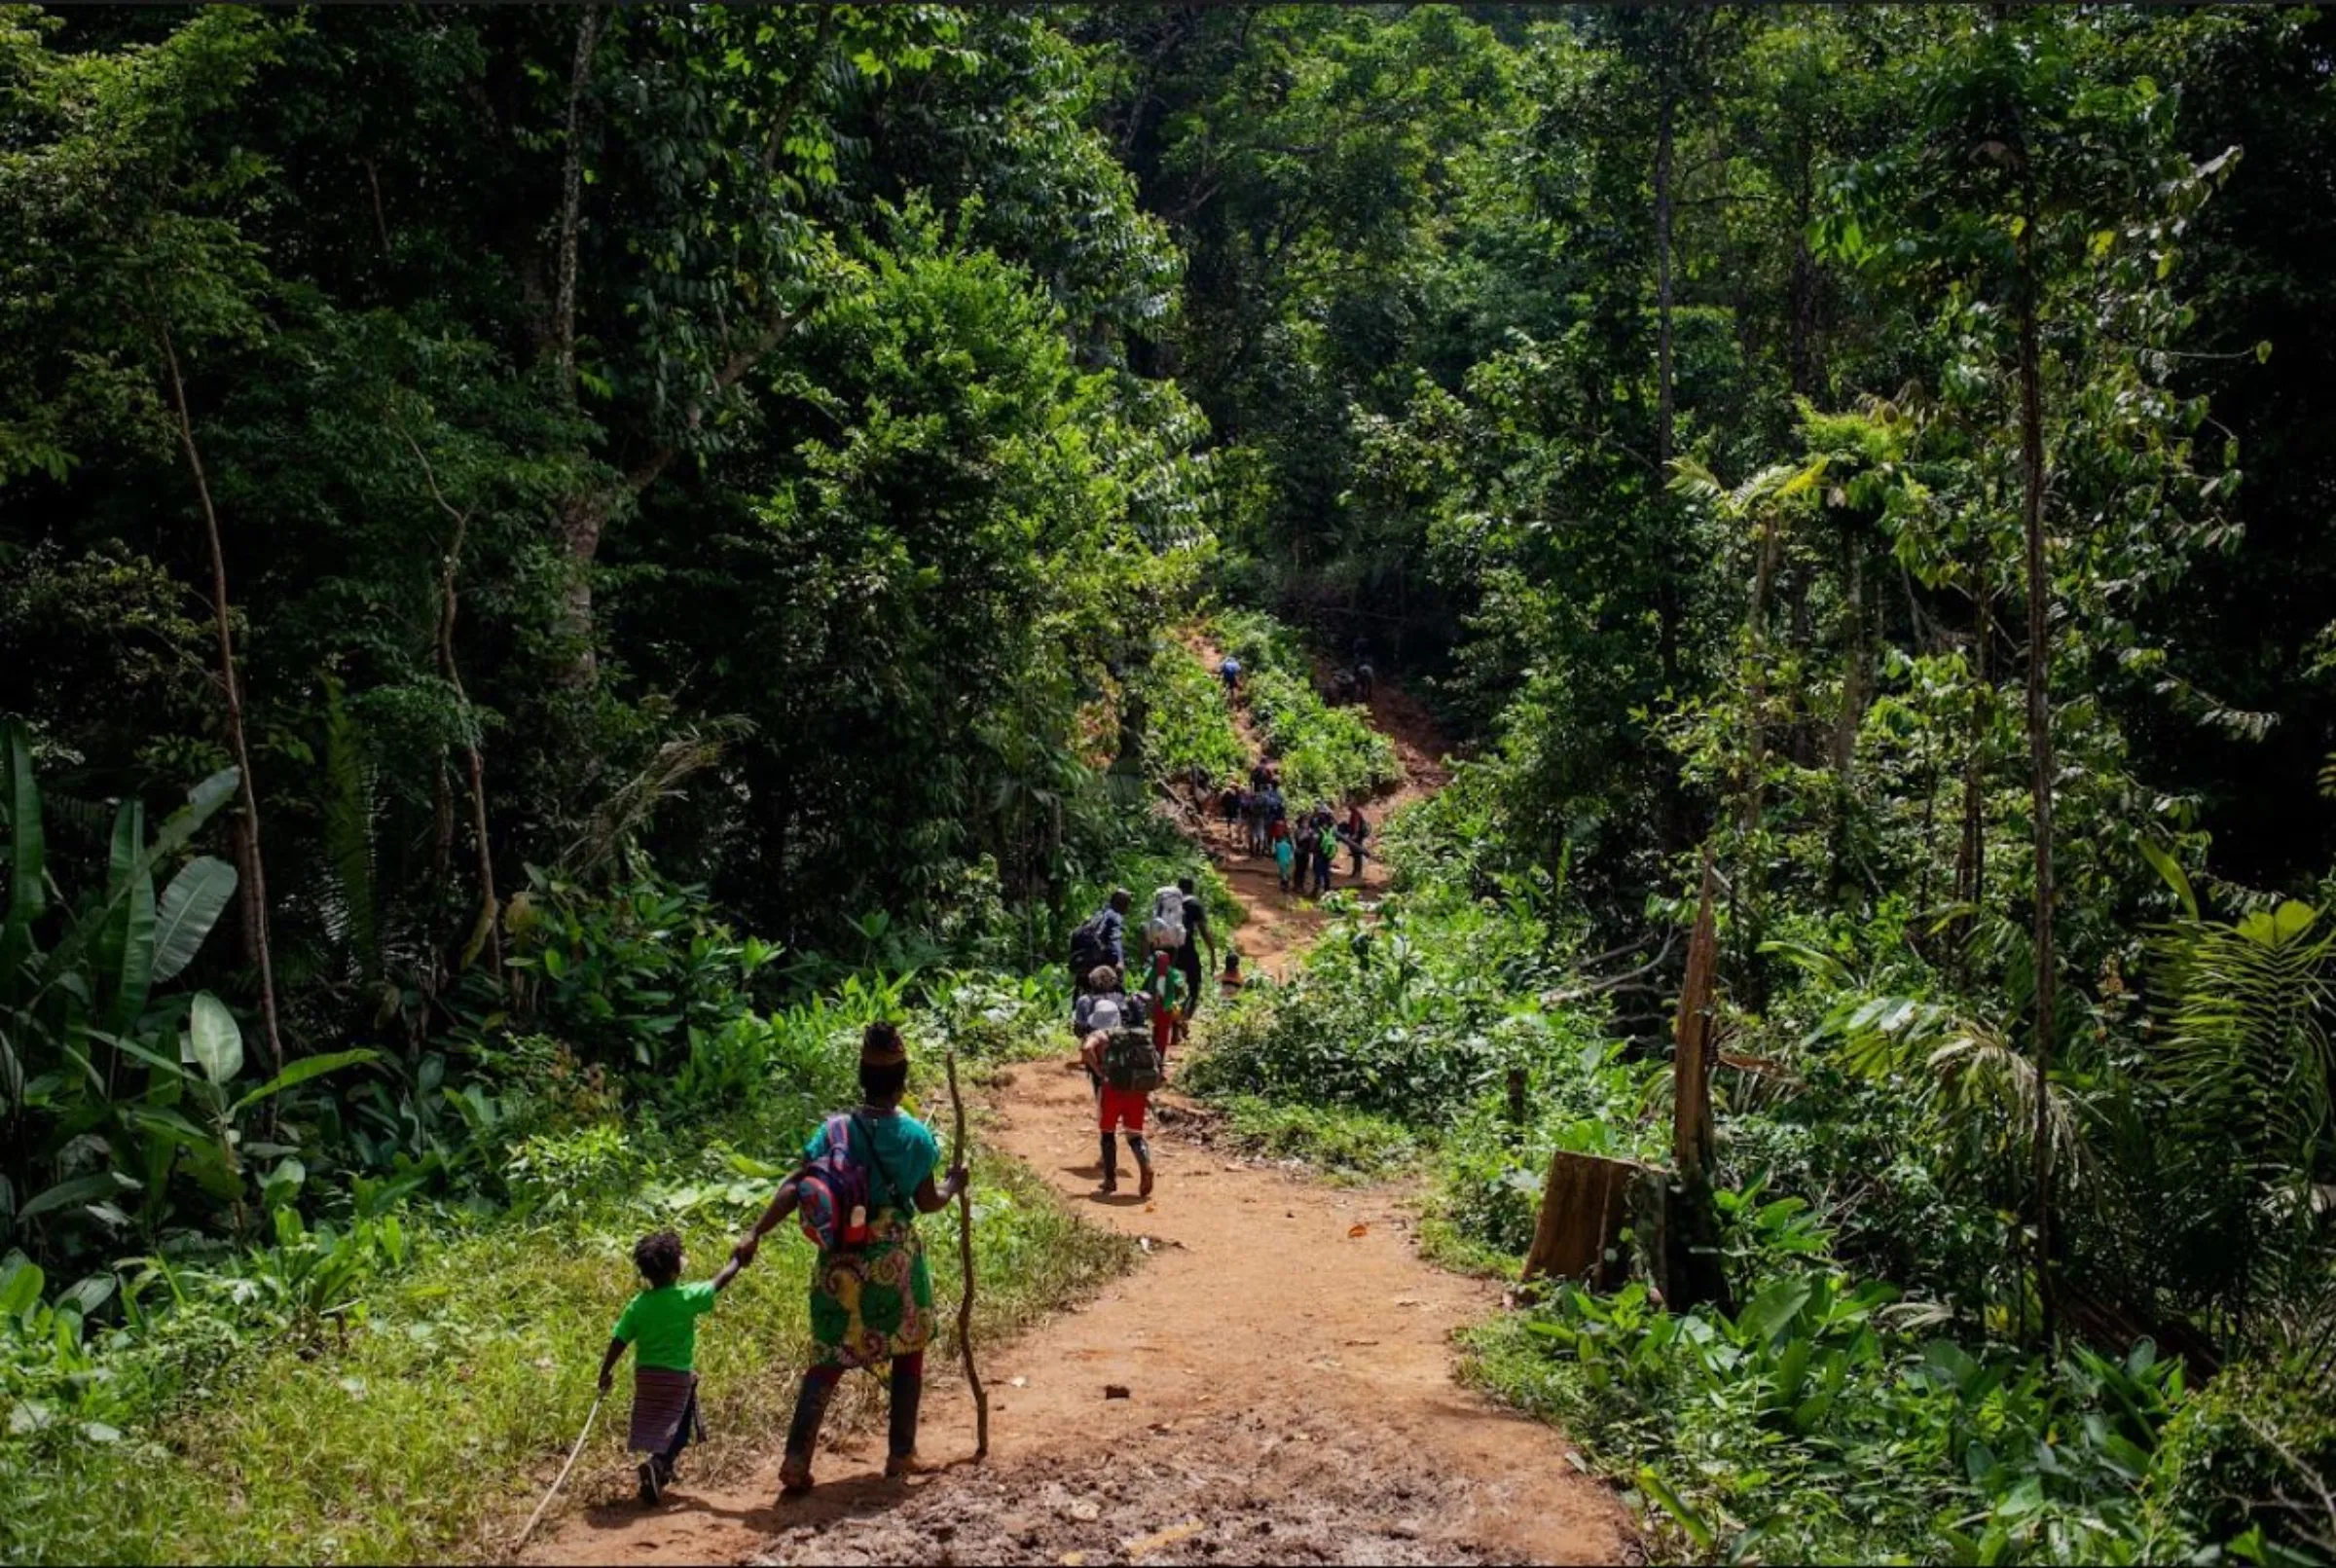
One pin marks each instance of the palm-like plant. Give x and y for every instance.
(2246, 1064)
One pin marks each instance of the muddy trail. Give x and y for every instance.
(1274, 1383)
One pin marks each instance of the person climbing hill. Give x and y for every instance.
(1126, 1068)
(1352, 833)
(871, 1294)
(1165, 1000)
(1188, 955)
(1101, 940)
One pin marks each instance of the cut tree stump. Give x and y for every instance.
(1585, 1205)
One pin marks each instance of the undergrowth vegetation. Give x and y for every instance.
(1872, 1395)
(1325, 751)
(385, 1381)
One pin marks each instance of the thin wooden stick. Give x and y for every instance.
(590, 1417)
(964, 1304)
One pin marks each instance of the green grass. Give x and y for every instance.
(428, 1427)
(1351, 1144)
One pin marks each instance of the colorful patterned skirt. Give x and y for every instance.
(873, 1302)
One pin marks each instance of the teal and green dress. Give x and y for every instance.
(871, 1303)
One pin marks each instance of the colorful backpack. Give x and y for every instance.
(1130, 1063)
(833, 1195)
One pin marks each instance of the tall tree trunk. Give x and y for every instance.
(1669, 601)
(1971, 855)
(487, 932)
(2039, 729)
(1764, 580)
(1857, 683)
(1666, 116)
(571, 202)
(251, 865)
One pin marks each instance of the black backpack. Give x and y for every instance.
(1088, 946)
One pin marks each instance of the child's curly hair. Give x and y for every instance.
(658, 1257)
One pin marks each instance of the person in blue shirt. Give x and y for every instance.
(1230, 670)
(1101, 939)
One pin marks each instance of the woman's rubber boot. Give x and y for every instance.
(908, 1392)
(803, 1432)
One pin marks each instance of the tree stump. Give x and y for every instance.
(1585, 1205)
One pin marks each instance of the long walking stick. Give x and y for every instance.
(964, 1303)
(590, 1417)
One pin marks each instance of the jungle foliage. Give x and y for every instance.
(554, 560)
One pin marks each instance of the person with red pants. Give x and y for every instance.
(1116, 1108)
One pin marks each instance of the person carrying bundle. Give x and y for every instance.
(866, 1175)
(1104, 1010)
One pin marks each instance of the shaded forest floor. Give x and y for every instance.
(1274, 1383)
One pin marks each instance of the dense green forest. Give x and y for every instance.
(555, 561)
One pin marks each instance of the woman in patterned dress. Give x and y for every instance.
(874, 1304)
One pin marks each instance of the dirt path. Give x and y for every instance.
(1274, 1384)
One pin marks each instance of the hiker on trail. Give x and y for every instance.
(1325, 849)
(1356, 830)
(1103, 1009)
(1187, 957)
(1104, 1005)
(1230, 981)
(1231, 672)
(871, 1295)
(1165, 997)
(1101, 939)
(1202, 786)
(1229, 803)
(1126, 1068)
(1276, 809)
(1259, 775)
(1364, 679)
(1284, 853)
(661, 1325)
(1252, 820)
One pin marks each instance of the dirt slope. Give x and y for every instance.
(1288, 1374)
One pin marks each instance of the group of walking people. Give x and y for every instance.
(868, 1172)
(1126, 1028)
(1304, 846)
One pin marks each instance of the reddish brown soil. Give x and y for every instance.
(1287, 1361)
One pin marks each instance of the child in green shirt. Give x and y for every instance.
(660, 1324)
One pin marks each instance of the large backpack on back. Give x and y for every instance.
(1088, 945)
(833, 1195)
(1106, 1013)
(1166, 928)
(1129, 1062)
